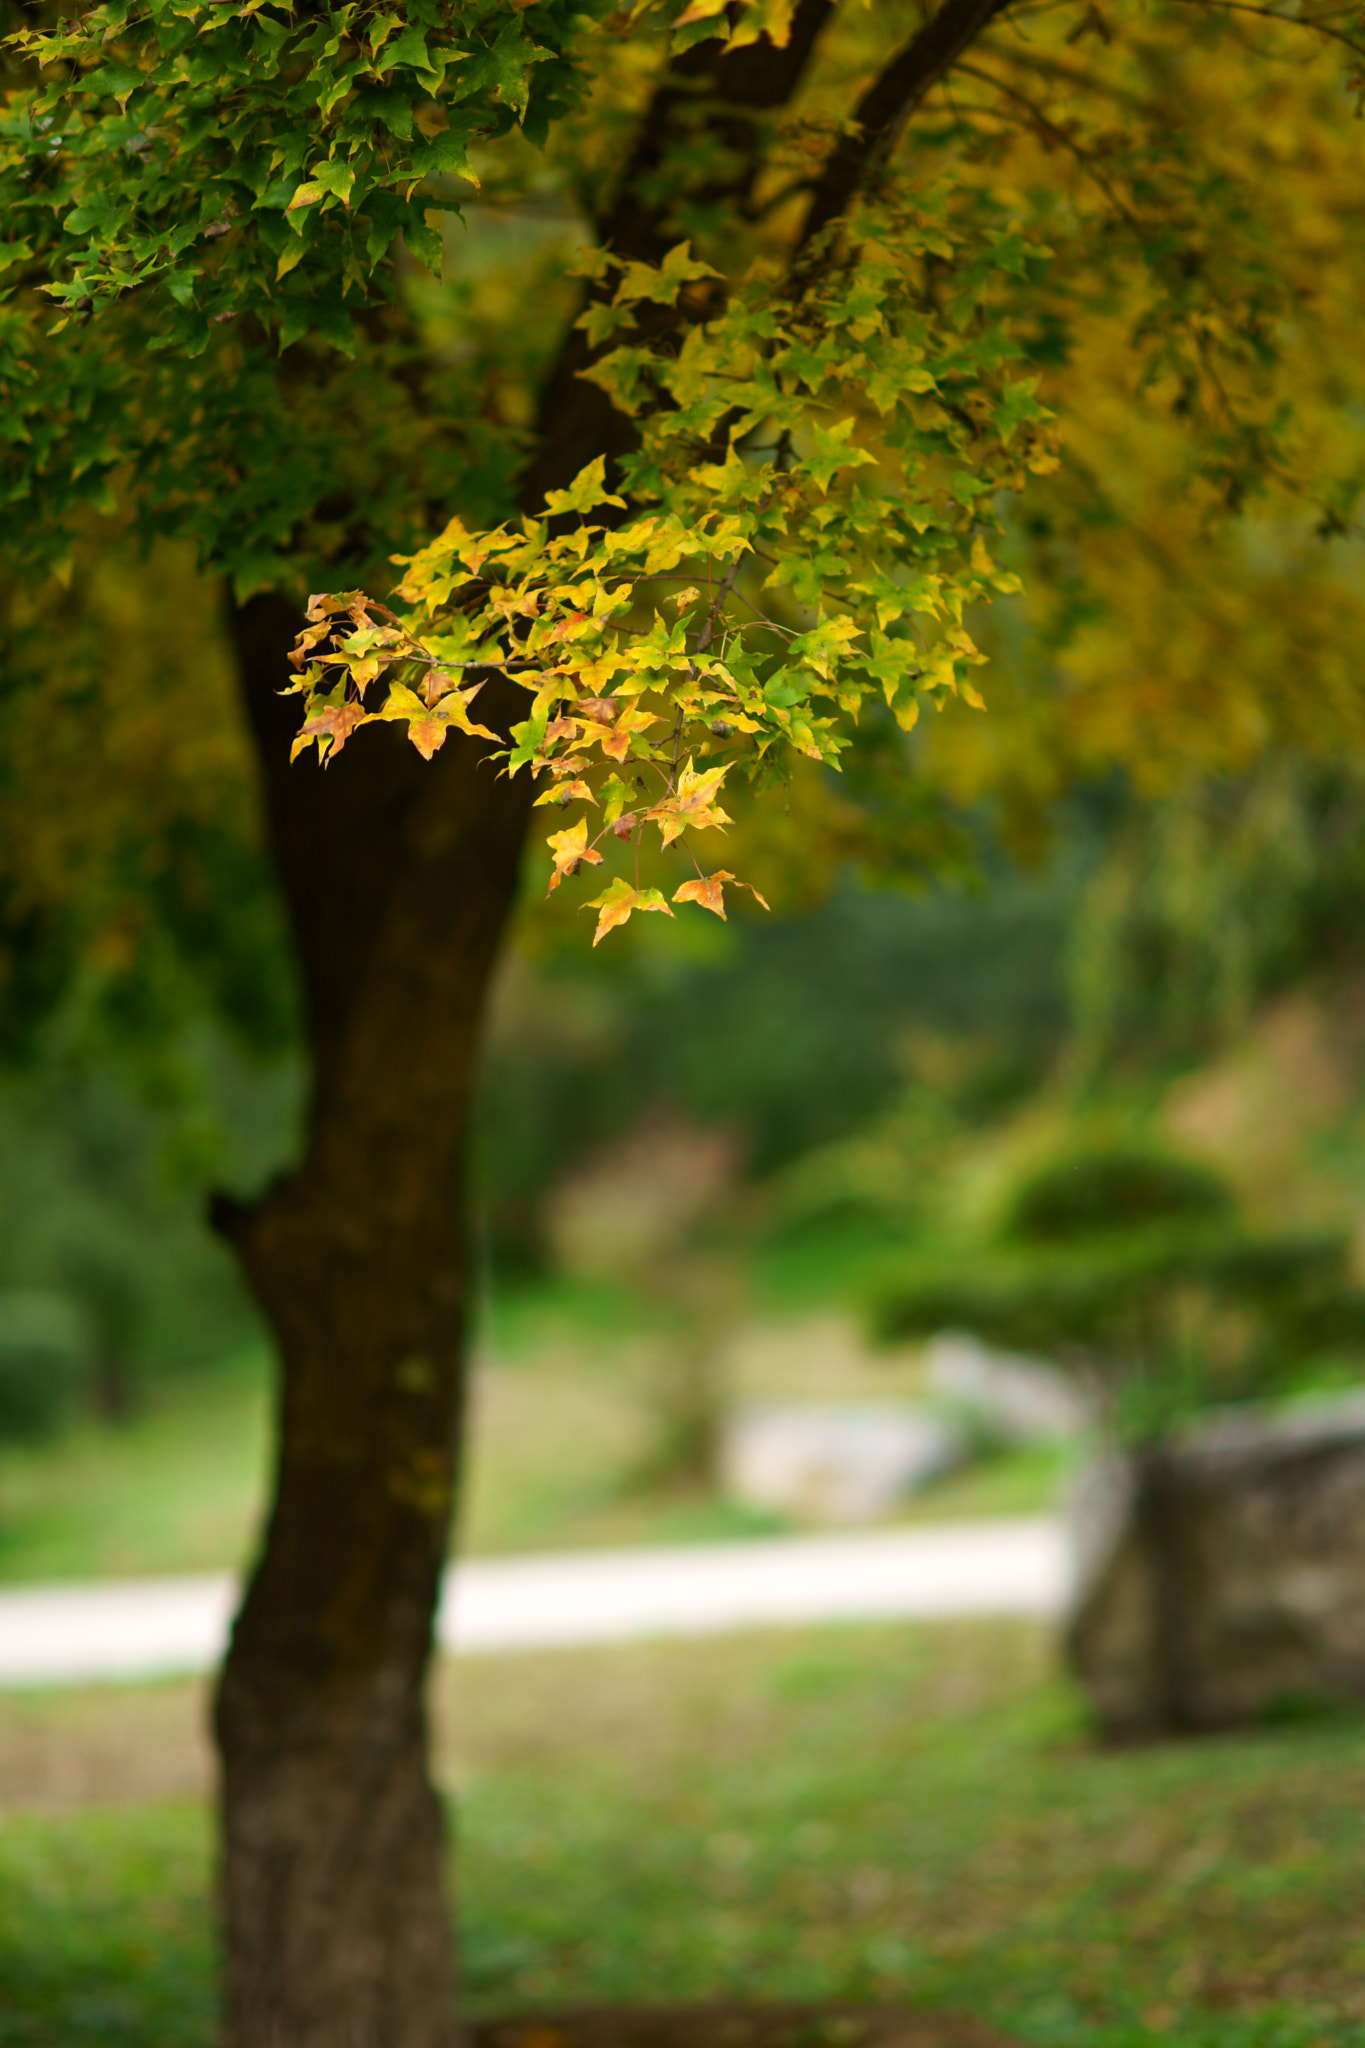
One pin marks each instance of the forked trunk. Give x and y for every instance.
(398, 876)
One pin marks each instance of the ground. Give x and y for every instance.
(875, 1816)
(562, 1429)
(737, 2025)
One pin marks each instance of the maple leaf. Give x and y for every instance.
(690, 806)
(699, 10)
(428, 733)
(825, 642)
(831, 451)
(569, 848)
(428, 724)
(617, 796)
(565, 792)
(616, 743)
(330, 728)
(308, 640)
(588, 489)
(618, 900)
(706, 890)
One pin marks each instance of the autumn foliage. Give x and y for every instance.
(805, 523)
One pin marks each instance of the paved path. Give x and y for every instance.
(53, 1635)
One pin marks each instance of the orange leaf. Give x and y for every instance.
(617, 743)
(308, 640)
(707, 891)
(331, 729)
(428, 724)
(722, 876)
(428, 734)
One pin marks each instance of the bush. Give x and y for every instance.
(1114, 1190)
(1136, 1267)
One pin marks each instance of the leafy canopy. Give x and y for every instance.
(849, 363)
(210, 200)
(863, 440)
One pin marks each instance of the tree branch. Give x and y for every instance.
(889, 102)
(731, 90)
(1035, 118)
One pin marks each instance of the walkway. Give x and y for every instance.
(63, 1634)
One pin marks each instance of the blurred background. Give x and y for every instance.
(722, 1173)
(915, 1203)
(1012, 1168)
(905, 1204)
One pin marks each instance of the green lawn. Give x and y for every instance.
(562, 1419)
(884, 1812)
(175, 1489)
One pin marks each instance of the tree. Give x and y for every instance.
(1135, 1268)
(839, 261)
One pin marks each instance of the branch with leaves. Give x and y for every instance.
(735, 612)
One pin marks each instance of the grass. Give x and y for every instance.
(177, 1488)
(104, 1931)
(562, 1417)
(902, 1813)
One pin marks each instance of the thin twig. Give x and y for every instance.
(1058, 135)
(1321, 28)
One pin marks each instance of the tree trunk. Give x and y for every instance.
(398, 876)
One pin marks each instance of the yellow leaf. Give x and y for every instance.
(292, 256)
(569, 848)
(427, 734)
(618, 901)
(564, 793)
(587, 490)
(428, 724)
(616, 743)
(690, 805)
(707, 892)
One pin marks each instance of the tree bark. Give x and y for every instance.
(398, 876)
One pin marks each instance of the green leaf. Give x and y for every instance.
(116, 80)
(409, 48)
(425, 242)
(588, 489)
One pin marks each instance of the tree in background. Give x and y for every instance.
(1135, 1268)
(741, 510)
